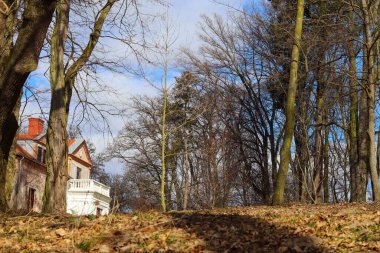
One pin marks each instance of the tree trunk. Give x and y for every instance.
(361, 172)
(15, 68)
(278, 197)
(265, 177)
(301, 140)
(56, 144)
(326, 165)
(177, 189)
(353, 129)
(163, 140)
(370, 83)
(56, 147)
(7, 28)
(186, 190)
(318, 153)
(377, 78)
(11, 167)
(216, 188)
(378, 152)
(301, 164)
(273, 150)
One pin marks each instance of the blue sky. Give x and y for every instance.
(185, 14)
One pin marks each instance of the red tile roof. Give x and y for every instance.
(26, 136)
(20, 150)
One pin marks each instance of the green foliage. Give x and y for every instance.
(171, 239)
(84, 246)
(91, 217)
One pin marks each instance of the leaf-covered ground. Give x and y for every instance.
(296, 228)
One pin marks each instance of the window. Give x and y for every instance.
(41, 155)
(31, 196)
(98, 211)
(79, 172)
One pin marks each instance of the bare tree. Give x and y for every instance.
(20, 47)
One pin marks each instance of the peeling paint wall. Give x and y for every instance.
(30, 176)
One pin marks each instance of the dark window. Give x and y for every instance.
(31, 195)
(41, 155)
(98, 211)
(79, 171)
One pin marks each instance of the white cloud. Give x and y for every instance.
(188, 14)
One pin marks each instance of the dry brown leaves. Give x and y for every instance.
(295, 228)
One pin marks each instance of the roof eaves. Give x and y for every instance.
(38, 137)
(73, 147)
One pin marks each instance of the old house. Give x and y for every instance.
(84, 195)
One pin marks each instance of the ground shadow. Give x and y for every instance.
(243, 233)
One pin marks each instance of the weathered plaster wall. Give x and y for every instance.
(31, 175)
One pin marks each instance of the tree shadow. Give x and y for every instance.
(243, 233)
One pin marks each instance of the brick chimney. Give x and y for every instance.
(36, 126)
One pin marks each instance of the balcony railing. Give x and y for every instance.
(87, 185)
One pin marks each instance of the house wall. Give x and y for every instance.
(81, 153)
(85, 203)
(31, 175)
(72, 169)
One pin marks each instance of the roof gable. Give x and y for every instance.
(79, 150)
(74, 145)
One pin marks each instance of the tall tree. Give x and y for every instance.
(20, 48)
(163, 128)
(165, 47)
(278, 197)
(55, 186)
(62, 84)
(353, 91)
(369, 87)
(318, 157)
(363, 159)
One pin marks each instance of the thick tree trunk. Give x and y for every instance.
(378, 152)
(8, 27)
(278, 197)
(55, 187)
(56, 147)
(16, 63)
(371, 99)
(11, 167)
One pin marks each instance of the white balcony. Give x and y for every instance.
(87, 185)
(87, 196)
